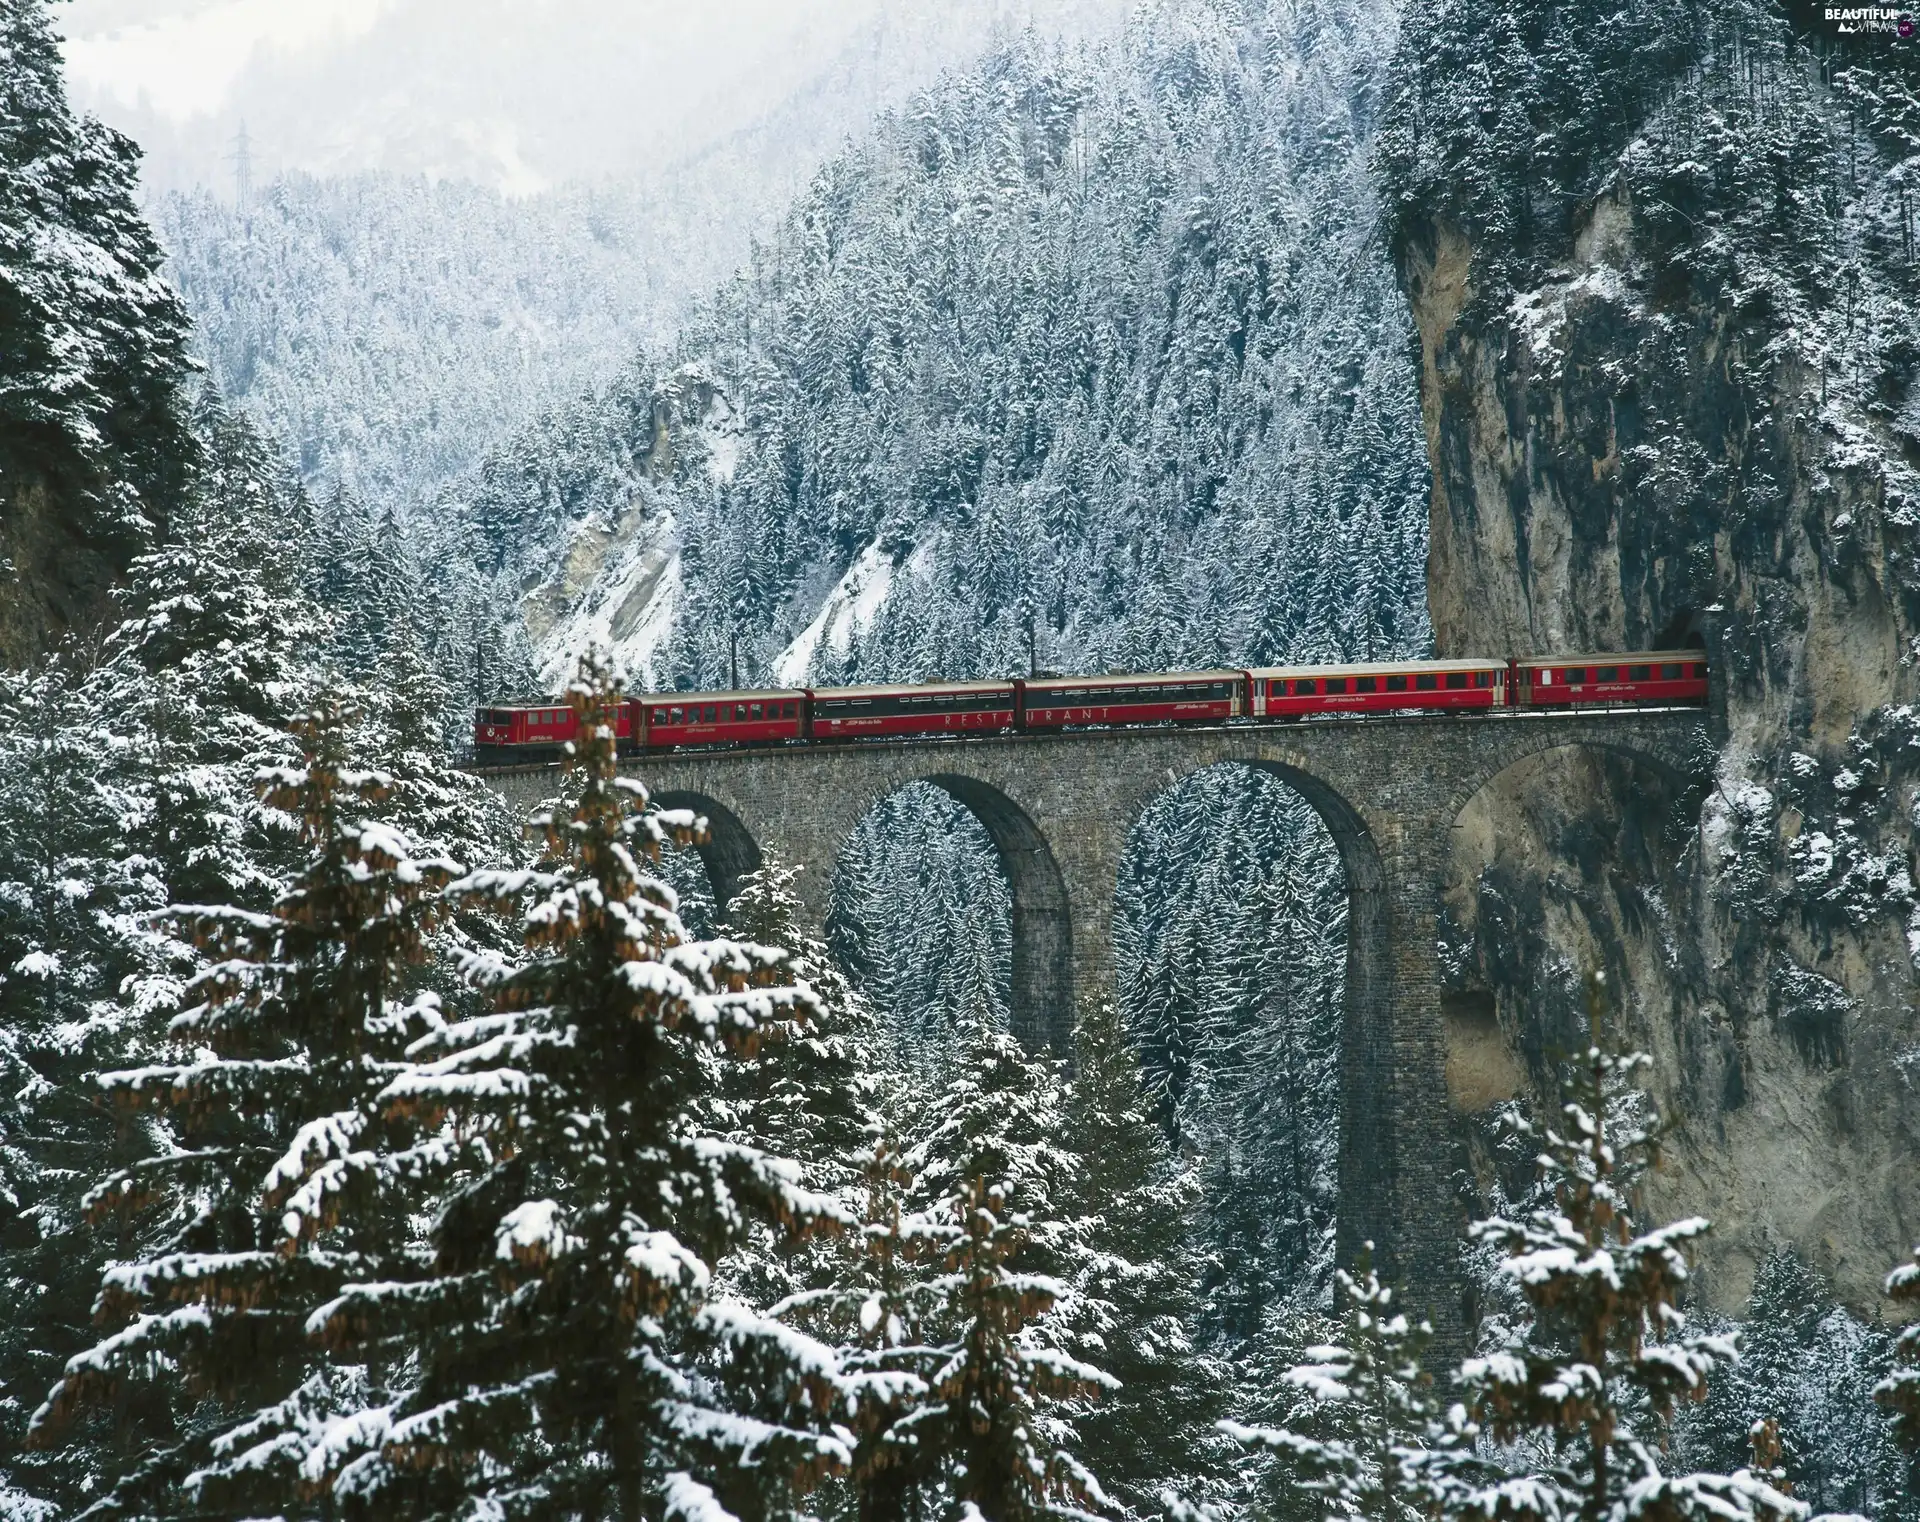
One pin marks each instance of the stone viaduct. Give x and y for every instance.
(1060, 809)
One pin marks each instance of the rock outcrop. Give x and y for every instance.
(56, 566)
(1658, 440)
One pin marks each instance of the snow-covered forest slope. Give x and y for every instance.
(1669, 323)
(1088, 357)
(389, 314)
(94, 342)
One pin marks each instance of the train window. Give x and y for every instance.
(1640, 673)
(706, 713)
(1366, 684)
(1672, 671)
(1336, 684)
(1304, 687)
(1396, 684)
(786, 710)
(1482, 679)
(1574, 675)
(675, 718)
(755, 711)
(1456, 680)
(1426, 682)
(1607, 674)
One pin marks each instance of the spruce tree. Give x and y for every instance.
(879, 1309)
(95, 337)
(569, 1358)
(1806, 1369)
(1900, 1391)
(1609, 1354)
(809, 1088)
(75, 889)
(292, 1030)
(1131, 1301)
(1374, 1443)
(992, 1430)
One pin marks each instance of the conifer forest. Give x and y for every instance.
(374, 1148)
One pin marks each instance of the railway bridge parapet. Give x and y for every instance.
(1060, 809)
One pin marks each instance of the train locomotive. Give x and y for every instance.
(507, 734)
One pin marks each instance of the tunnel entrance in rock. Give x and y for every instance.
(946, 903)
(1231, 961)
(1685, 630)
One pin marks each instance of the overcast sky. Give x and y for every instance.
(518, 93)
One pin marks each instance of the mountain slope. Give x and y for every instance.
(1084, 358)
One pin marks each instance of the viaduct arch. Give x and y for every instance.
(1059, 810)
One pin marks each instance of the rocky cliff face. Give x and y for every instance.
(56, 566)
(1686, 419)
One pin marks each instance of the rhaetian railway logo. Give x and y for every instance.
(1869, 21)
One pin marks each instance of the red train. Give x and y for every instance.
(669, 720)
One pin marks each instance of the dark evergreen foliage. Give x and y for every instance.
(987, 1433)
(1131, 1304)
(1806, 1366)
(1597, 1376)
(1900, 1391)
(564, 1340)
(292, 1031)
(1230, 937)
(1374, 1442)
(95, 340)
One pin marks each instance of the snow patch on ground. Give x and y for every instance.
(850, 610)
(627, 609)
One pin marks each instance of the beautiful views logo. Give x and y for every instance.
(1862, 21)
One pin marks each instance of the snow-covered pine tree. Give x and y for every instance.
(148, 749)
(74, 887)
(1375, 1443)
(1130, 1303)
(878, 1310)
(565, 1342)
(216, 652)
(441, 807)
(808, 1092)
(1608, 1356)
(95, 337)
(986, 1438)
(1807, 1368)
(810, 1088)
(292, 1031)
(1899, 1392)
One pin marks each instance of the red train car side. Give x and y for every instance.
(934, 708)
(1653, 676)
(1281, 692)
(1190, 696)
(529, 731)
(537, 731)
(720, 718)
